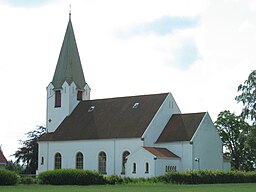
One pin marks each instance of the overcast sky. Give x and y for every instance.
(200, 51)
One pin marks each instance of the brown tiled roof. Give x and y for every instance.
(110, 118)
(3, 160)
(161, 152)
(181, 127)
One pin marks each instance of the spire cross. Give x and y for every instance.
(69, 11)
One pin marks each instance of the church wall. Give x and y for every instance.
(226, 165)
(183, 149)
(55, 115)
(156, 166)
(207, 146)
(164, 165)
(90, 149)
(140, 158)
(159, 121)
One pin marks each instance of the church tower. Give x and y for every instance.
(68, 86)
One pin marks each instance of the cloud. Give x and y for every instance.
(26, 3)
(186, 54)
(162, 26)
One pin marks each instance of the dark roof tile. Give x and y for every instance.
(161, 152)
(181, 127)
(110, 118)
(3, 160)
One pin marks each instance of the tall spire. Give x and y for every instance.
(69, 66)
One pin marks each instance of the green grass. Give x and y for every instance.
(251, 187)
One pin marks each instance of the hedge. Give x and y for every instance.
(8, 177)
(71, 177)
(208, 177)
(85, 177)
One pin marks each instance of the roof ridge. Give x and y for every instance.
(120, 97)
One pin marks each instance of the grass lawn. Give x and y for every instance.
(251, 187)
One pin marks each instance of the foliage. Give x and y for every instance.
(8, 177)
(28, 180)
(234, 132)
(28, 153)
(248, 96)
(13, 166)
(71, 177)
(114, 179)
(208, 177)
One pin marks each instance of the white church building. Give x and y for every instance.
(133, 136)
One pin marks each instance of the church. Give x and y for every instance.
(131, 136)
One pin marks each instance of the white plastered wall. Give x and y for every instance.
(207, 146)
(90, 149)
(161, 118)
(55, 115)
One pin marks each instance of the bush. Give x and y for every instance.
(71, 177)
(114, 179)
(28, 180)
(208, 177)
(8, 177)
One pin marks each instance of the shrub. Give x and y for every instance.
(8, 177)
(114, 179)
(28, 180)
(208, 177)
(71, 177)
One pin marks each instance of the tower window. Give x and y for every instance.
(79, 95)
(57, 98)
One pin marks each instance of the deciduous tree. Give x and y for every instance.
(234, 131)
(247, 96)
(27, 154)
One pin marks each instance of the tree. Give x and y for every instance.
(233, 131)
(28, 153)
(248, 97)
(13, 166)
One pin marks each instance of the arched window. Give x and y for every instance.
(102, 163)
(147, 167)
(42, 160)
(57, 164)
(79, 161)
(134, 168)
(124, 160)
